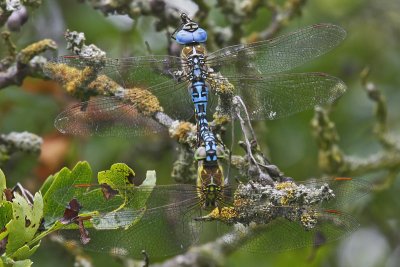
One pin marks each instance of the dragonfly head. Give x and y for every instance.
(190, 32)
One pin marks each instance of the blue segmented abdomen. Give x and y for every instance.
(200, 97)
(211, 147)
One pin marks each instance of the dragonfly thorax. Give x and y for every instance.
(210, 181)
(193, 58)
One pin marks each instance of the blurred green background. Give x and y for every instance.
(373, 29)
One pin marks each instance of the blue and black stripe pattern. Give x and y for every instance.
(192, 36)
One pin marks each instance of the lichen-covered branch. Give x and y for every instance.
(14, 13)
(237, 13)
(381, 128)
(258, 205)
(27, 62)
(254, 164)
(332, 159)
(281, 15)
(14, 142)
(168, 14)
(213, 253)
(15, 66)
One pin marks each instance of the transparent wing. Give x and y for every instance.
(346, 190)
(160, 232)
(93, 197)
(277, 96)
(279, 54)
(156, 74)
(282, 234)
(143, 71)
(162, 225)
(105, 116)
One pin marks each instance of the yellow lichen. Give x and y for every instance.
(73, 79)
(220, 119)
(223, 214)
(104, 85)
(240, 202)
(70, 78)
(309, 219)
(144, 100)
(182, 130)
(284, 185)
(288, 188)
(34, 49)
(221, 85)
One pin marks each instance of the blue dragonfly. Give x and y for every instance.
(255, 71)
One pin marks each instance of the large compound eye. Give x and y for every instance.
(184, 37)
(200, 153)
(200, 35)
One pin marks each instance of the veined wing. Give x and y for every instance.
(143, 71)
(105, 199)
(346, 190)
(161, 232)
(105, 116)
(282, 234)
(295, 226)
(162, 223)
(280, 95)
(156, 74)
(278, 54)
(333, 192)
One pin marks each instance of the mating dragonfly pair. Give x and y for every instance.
(148, 86)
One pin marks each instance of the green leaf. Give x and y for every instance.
(117, 176)
(92, 199)
(24, 263)
(25, 223)
(3, 184)
(46, 185)
(61, 190)
(135, 200)
(25, 251)
(6, 214)
(6, 261)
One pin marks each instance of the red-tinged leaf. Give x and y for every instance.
(108, 192)
(71, 212)
(84, 233)
(8, 194)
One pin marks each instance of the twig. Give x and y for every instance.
(280, 17)
(27, 63)
(213, 253)
(256, 158)
(13, 142)
(333, 161)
